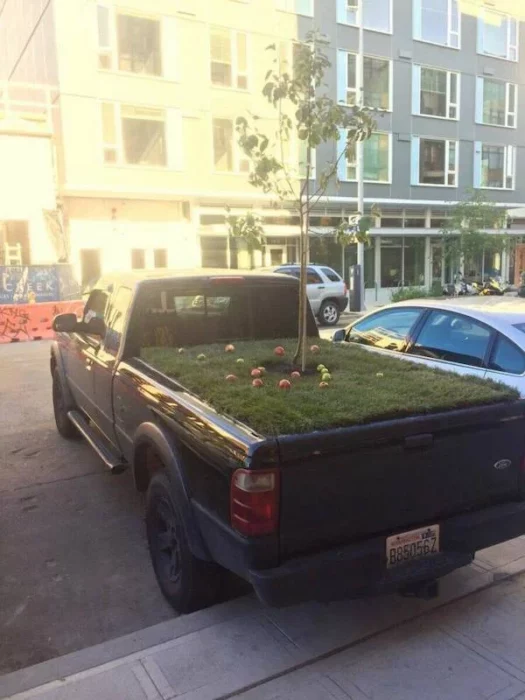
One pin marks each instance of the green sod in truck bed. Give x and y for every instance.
(363, 386)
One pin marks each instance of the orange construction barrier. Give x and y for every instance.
(19, 322)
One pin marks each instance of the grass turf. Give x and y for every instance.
(365, 387)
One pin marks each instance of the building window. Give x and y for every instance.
(498, 35)
(302, 156)
(435, 93)
(438, 22)
(160, 257)
(376, 156)
(105, 45)
(403, 261)
(434, 162)
(494, 166)
(299, 7)
(138, 259)
(496, 102)
(139, 45)
(377, 14)
(227, 156)
(376, 81)
(214, 251)
(229, 58)
(141, 136)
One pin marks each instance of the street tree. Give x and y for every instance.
(475, 230)
(303, 115)
(247, 228)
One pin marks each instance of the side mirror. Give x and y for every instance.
(339, 336)
(65, 323)
(95, 326)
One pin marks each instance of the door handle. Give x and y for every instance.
(321, 286)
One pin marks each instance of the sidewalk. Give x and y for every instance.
(385, 648)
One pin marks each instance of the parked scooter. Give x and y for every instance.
(493, 287)
(460, 288)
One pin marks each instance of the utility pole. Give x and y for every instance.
(360, 145)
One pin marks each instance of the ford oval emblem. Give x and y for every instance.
(503, 464)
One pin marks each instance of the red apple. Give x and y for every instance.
(315, 349)
(258, 383)
(229, 348)
(256, 373)
(285, 384)
(279, 351)
(231, 378)
(296, 375)
(324, 385)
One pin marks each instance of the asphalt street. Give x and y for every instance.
(74, 569)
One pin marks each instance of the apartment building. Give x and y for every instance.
(148, 94)
(144, 125)
(449, 80)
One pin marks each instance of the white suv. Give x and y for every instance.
(327, 292)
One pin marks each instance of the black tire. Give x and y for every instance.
(329, 313)
(187, 583)
(64, 426)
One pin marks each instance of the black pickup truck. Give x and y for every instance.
(349, 511)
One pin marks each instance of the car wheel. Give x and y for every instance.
(329, 313)
(187, 583)
(64, 426)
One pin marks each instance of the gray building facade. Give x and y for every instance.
(448, 81)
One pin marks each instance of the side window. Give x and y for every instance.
(507, 357)
(388, 330)
(116, 318)
(331, 274)
(312, 277)
(453, 338)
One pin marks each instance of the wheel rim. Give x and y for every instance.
(165, 543)
(330, 314)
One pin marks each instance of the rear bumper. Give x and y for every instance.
(360, 569)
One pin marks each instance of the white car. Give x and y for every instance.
(482, 338)
(327, 292)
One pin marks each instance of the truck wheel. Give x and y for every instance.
(186, 582)
(64, 426)
(329, 313)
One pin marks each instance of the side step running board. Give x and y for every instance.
(110, 459)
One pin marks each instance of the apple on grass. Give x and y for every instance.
(279, 351)
(262, 370)
(231, 378)
(315, 349)
(326, 377)
(181, 351)
(257, 383)
(285, 384)
(324, 385)
(256, 373)
(240, 361)
(229, 348)
(295, 375)
(201, 357)
(321, 368)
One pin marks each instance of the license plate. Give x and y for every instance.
(415, 544)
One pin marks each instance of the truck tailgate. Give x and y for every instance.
(344, 485)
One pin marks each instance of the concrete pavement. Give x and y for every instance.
(467, 644)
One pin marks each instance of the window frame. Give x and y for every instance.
(478, 165)
(343, 56)
(342, 16)
(423, 322)
(418, 25)
(237, 156)
(346, 164)
(417, 91)
(480, 106)
(498, 338)
(174, 159)
(416, 146)
(234, 48)
(509, 46)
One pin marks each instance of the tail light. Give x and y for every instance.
(254, 502)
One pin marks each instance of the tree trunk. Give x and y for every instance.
(302, 291)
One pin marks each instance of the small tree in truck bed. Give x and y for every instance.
(303, 115)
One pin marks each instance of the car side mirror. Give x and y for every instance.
(95, 326)
(339, 336)
(65, 323)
